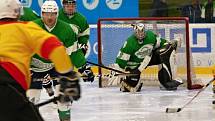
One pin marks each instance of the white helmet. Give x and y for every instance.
(49, 6)
(139, 30)
(10, 8)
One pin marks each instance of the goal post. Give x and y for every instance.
(112, 33)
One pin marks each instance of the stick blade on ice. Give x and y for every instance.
(173, 110)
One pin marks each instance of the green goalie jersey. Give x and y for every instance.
(64, 32)
(79, 25)
(133, 53)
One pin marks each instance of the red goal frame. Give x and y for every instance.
(188, 51)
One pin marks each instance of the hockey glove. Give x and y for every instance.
(69, 87)
(87, 73)
(176, 43)
(134, 79)
(131, 83)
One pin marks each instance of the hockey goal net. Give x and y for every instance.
(112, 32)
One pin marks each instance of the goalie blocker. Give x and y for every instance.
(163, 57)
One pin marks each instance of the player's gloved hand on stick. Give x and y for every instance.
(135, 77)
(132, 80)
(87, 73)
(69, 87)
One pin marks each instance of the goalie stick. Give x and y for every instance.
(174, 110)
(112, 69)
(105, 67)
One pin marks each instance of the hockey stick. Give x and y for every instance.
(174, 110)
(107, 75)
(112, 69)
(47, 102)
(105, 67)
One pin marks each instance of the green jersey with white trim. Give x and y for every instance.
(79, 25)
(133, 52)
(64, 32)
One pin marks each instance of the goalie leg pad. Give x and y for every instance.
(168, 71)
(165, 79)
(111, 78)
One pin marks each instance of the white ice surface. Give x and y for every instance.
(109, 104)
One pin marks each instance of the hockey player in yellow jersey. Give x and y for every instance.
(19, 42)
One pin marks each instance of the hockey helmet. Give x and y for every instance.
(10, 8)
(69, 1)
(49, 6)
(139, 30)
(69, 7)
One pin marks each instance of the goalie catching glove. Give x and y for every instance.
(176, 43)
(87, 73)
(69, 87)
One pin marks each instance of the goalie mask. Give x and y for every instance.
(139, 31)
(69, 7)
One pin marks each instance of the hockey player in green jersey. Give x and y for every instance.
(43, 70)
(77, 21)
(27, 14)
(143, 49)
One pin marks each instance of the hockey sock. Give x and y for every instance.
(64, 115)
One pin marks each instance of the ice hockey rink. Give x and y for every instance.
(109, 104)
